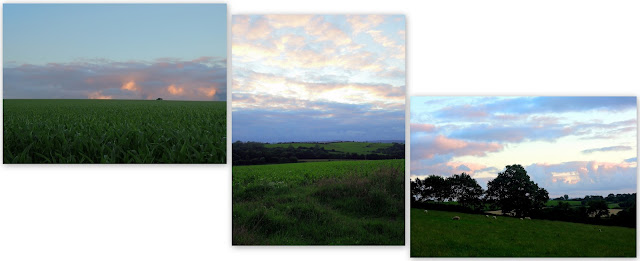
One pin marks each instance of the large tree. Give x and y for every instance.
(465, 190)
(514, 191)
(431, 188)
(598, 208)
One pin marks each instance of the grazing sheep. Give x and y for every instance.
(600, 229)
(494, 217)
(527, 218)
(456, 218)
(426, 211)
(521, 219)
(486, 215)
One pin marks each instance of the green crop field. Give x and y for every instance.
(319, 203)
(346, 147)
(114, 131)
(435, 234)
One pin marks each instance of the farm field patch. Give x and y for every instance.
(114, 131)
(435, 234)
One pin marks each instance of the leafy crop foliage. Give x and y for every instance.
(114, 131)
(435, 234)
(319, 203)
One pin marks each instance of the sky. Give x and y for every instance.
(115, 51)
(318, 77)
(568, 145)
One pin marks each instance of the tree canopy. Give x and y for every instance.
(513, 191)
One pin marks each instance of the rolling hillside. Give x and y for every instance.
(435, 234)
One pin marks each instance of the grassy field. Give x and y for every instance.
(346, 147)
(552, 203)
(319, 203)
(435, 234)
(114, 131)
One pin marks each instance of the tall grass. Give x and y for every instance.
(319, 203)
(114, 131)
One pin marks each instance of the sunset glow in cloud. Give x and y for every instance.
(115, 51)
(201, 79)
(568, 145)
(318, 78)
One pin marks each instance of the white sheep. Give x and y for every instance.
(486, 215)
(521, 219)
(527, 218)
(494, 217)
(456, 218)
(426, 211)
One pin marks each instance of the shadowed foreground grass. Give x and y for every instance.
(435, 234)
(327, 203)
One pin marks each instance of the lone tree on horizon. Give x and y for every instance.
(514, 191)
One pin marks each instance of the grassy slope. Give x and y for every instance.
(319, 203)
(436, 234)
(347, 147)
(114, 131)
(552, 203)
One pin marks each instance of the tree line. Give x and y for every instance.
(256, 153)
(514, 193)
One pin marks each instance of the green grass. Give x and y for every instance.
(346, 147)
(319, 203)
(435, 234)
(553, 203)
(613, 205)
(114, 131)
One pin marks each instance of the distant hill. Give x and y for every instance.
(338, 147)
(257, 153)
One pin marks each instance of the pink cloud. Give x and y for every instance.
(422, 127)
(577, 177)
(428, 147)
(164, 78)
(99, 96)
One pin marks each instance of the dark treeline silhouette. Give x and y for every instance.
(515, 194)
(256, 153)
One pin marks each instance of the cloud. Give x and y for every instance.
(429, 146)
(464, 111)
(334, 122)
(308, 77)
(424, 127)
(98, 96)
(362, 23)
(200, 79)
(268, 91)
(129, 86)
(529, 105)
(542, 129)
(582, 177)
(605, 149)
(518, 133)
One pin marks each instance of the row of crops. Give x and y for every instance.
(110, 131)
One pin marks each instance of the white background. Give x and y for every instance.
(183, 212)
